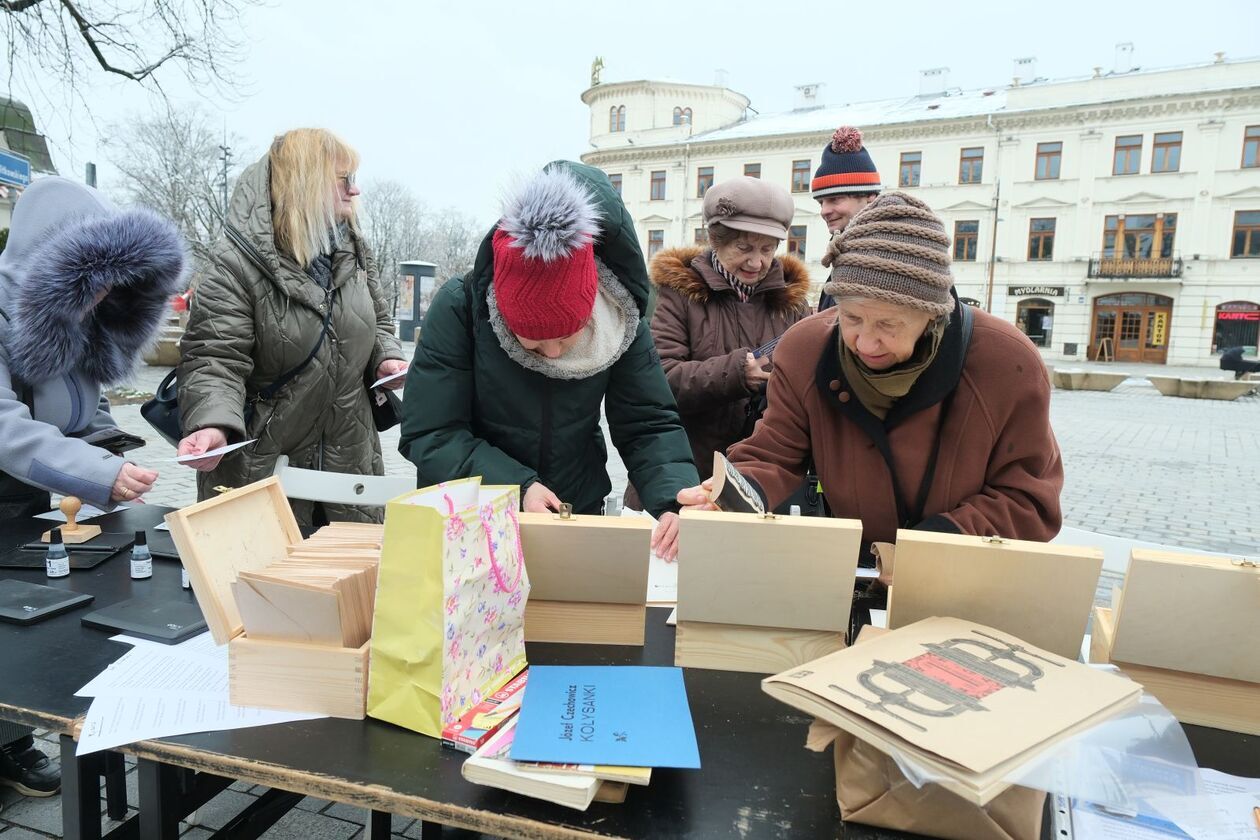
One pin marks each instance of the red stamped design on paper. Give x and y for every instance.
(950, 673)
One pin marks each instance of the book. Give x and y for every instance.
(627, 716)
(731, 492)
(491, 766)
(968, 703)
(603, 772)
(477, 724)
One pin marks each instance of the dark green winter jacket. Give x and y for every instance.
(471, 409)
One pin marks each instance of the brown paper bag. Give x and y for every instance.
(872, 790)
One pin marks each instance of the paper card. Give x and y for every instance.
(378, 383)
(210, 453)
(623, 715)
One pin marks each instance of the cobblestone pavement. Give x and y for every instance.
(1139, 465)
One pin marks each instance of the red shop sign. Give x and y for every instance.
(1238, 316)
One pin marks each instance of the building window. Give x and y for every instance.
(1166, 152)
(617, 118)
(1251, 147)
(1128, 157)
(682, 116)
(1246, 234)
(1049, 158)
(1035, 319)
(1146, 236)
(796, 241)
(1041, 239)
(704, 180)
(658, 185)
(656, 241)
(615, 180)
(965, 234)
(752, 170)
(800, 176)
(702, 237)
(971, 166)
(1237, 325)
(911, 165)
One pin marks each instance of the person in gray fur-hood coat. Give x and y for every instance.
(83, 289)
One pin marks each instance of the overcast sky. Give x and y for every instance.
(454, 98)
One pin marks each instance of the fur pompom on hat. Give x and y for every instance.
(846, 166)
(544, 256)
(894, 250)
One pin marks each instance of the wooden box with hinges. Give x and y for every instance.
(762, 593)
(588, 577)
(1039, 592)
(295, 613)
(1158, 622)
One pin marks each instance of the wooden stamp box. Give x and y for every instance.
(762, 594)
(1184, 627)
(1039, 592)
(246, 530)
(588, 578)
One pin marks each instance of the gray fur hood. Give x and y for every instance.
(67, 244)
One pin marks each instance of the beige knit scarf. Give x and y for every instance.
(880, 390)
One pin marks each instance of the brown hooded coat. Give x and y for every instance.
(703, 334)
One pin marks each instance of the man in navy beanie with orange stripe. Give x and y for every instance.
(846, 181)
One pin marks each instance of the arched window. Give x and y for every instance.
(677, 115)
(1035, 319)
(617, 118)
(682, 116)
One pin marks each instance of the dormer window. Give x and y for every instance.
(682, 116)
(617, 118)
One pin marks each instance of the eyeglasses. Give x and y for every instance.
(348, 180)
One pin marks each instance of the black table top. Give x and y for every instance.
(45, 663)
(757, 780)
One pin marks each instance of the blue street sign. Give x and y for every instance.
(14, 169)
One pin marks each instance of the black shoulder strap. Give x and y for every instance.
(289, 375)
(24, 391)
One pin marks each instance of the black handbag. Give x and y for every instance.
(386, 406)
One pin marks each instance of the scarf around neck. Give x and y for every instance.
(879, 390)
(743, 290)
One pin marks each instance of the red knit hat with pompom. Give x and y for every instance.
(846, 166)
(545, 278)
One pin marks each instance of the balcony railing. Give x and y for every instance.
(1100, 266)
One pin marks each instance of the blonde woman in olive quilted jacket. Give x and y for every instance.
(292, 252)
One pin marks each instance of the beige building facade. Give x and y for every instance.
(1113, 216)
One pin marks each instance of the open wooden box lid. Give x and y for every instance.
(1189, 612)
(592, 559)
(1040, 592)
(240, 530)
(786, 571)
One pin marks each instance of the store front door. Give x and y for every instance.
(1131, 327)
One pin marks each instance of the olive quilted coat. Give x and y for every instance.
(249, 326)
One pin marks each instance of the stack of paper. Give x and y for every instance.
(326, 601)
(157, 690)
(965, 703)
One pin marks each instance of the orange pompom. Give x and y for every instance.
(846, 139)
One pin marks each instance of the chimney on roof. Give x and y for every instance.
(719, 78)
(807, 95)
(1220, 58)
(1124, 57)
(933, 81)
(1025, 69)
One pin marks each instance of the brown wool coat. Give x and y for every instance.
(703, 333)
(998, 470)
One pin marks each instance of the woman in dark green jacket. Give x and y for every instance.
(516, 358)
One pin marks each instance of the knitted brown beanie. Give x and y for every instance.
(895, 250)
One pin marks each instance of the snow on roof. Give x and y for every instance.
(951, 104)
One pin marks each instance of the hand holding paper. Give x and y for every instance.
(390, 372)
(194, 458)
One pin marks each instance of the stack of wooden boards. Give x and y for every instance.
(1184, 626)
(309, 601)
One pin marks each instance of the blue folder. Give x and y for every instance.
(622, 715)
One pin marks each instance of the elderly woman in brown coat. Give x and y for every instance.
(719, 305)
(918, 411)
